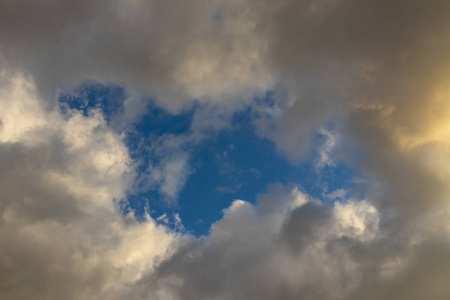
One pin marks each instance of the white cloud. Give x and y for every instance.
(357, 219)
(62, 232)
(325, 150)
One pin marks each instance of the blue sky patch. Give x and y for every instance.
(234, 163)
(109, 99)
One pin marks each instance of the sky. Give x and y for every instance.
(224, 149)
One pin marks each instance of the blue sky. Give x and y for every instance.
(234, 163)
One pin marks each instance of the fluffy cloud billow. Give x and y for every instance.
(369, 77)
(62, 231)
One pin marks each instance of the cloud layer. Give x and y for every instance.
(377, 70)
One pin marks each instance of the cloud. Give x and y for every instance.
(169, 175)
(62, 233)
(280, 248)
(326, 149)
(378, 70)
(290, 246)
(173, 51)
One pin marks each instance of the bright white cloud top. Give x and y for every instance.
(359, 83)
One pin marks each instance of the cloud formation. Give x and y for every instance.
(378, 70)
(62, 232)
(175, 51)
(289, 246)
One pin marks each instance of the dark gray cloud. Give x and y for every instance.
(175, 51)
(303, 224)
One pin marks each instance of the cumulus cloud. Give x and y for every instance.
(378, 70)
(280, 248)
(290, 246)
(63, 233)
